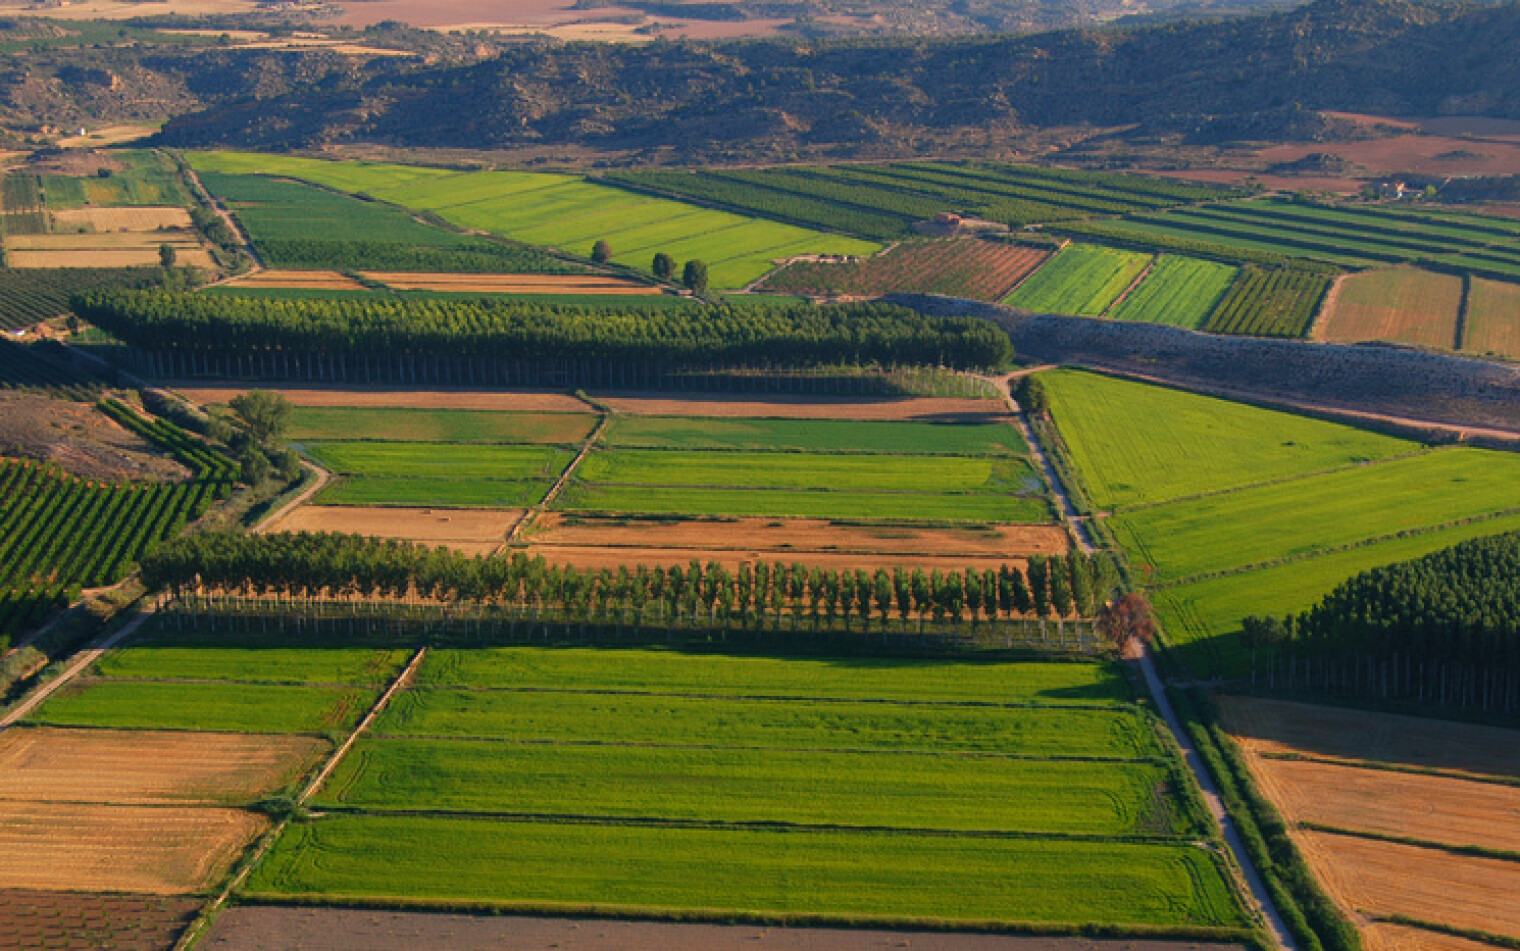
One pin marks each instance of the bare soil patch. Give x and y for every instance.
(731, 558)
(141, 767)
(267, 928)
(512, 283)
(928, 409)
(1281, 727)
(122, 219)
(1383, 879)
(153, 849)
(72, 921)
(540, 401)
(1425, 154)
(794, 536)
(475, 531)
(79, 439)
(1386, 937)
(312, 280)
(1405, 305)
(1433, 808)
(1493, 318)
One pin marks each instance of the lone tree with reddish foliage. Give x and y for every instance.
(1127, 621)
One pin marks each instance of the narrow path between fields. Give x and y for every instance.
(268, 522)
(1147, 662)
(534, 511)
(77, 663)
(198, 927)
(228, 217)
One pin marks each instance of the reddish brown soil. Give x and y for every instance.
(981, 270)
(72, 921)
(542, 401)
(79, 439)
(512, 283)
(474, 531)
(807, 407)
(258, 928)
(125, 766)
(1403, 305)
(1426, 154)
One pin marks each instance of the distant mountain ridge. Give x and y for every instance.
(1256, 77)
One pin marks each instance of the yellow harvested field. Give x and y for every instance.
(1386, 937)
(1493, 318)
(310, 280)
(126, 257)
(1275, 726)
(153, 849)
(534, 401)
(121, 219)
(1433, 808)
(931, 409)
(140, 767)
(1402, 304)
(511, 283)
(108, 249)
(475, 531)
(1383, 879)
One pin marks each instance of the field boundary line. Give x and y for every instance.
(1469, 851)
(532, 512)
(1464, 306)
(197, 928)
(1041, 458)
(1139, 279)
(305, 495)
(78, 663)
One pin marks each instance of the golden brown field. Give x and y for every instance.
(476, 531)
(1403, 305)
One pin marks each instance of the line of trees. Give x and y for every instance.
(755, 594)
(359, 340)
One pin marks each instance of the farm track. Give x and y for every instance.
(78, 663)
(1190, 755)
(534, 511)
(274, 518)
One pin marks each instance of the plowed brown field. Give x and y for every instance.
(130, 767)
(1280, 727)
(31, 919)
(1433, 808)
(541, 401)
(512, 283)
(1493, 318)
(794, 536)
(154, 849)
(1400, 304)
(1386, 937)
(1383, 879)
(312, 280)
(805, 407)
(476, 531)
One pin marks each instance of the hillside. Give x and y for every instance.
(1257, 77)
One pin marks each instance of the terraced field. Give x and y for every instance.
(1179, 291)
(1082, 280)
(1228, 510)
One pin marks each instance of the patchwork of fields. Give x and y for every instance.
(563, 211)
(974, 268)
(1227, 510)
(1082, 280)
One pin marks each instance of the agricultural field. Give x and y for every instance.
(148, 179)
(1179, 291)
(974, 268)
(1082, 280)
(111, 250)
(881, 737)
(1396, 815)
(568, 212)
(476, 531)
(1270, 302)
(1400, 305)
(1493, 319)
(884, 201)
(402, 424)
(823, 435)
(1266, 511)
(436, 473)
(30, 918)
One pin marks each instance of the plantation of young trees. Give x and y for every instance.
(490, 342)
(761, 596)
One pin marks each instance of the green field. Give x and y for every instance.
(249, 658)
(956, 877)
(807, 503)
(1179, 291)
(309, 423)
(721, 674)
(567, 212)
(148, 179)
(820, 471)
(1082, 280)
(213, 706)
(437, 474)
(901, 790)
(816, 435)
(1316, 513)
(543, 716)
(1137, 444)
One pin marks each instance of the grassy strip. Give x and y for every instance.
(931, 925)
(1476, 851)
(205, 707)
(1471, 934)
(806, 503)
(832, 436)
(1307, 911)
(162, 659)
